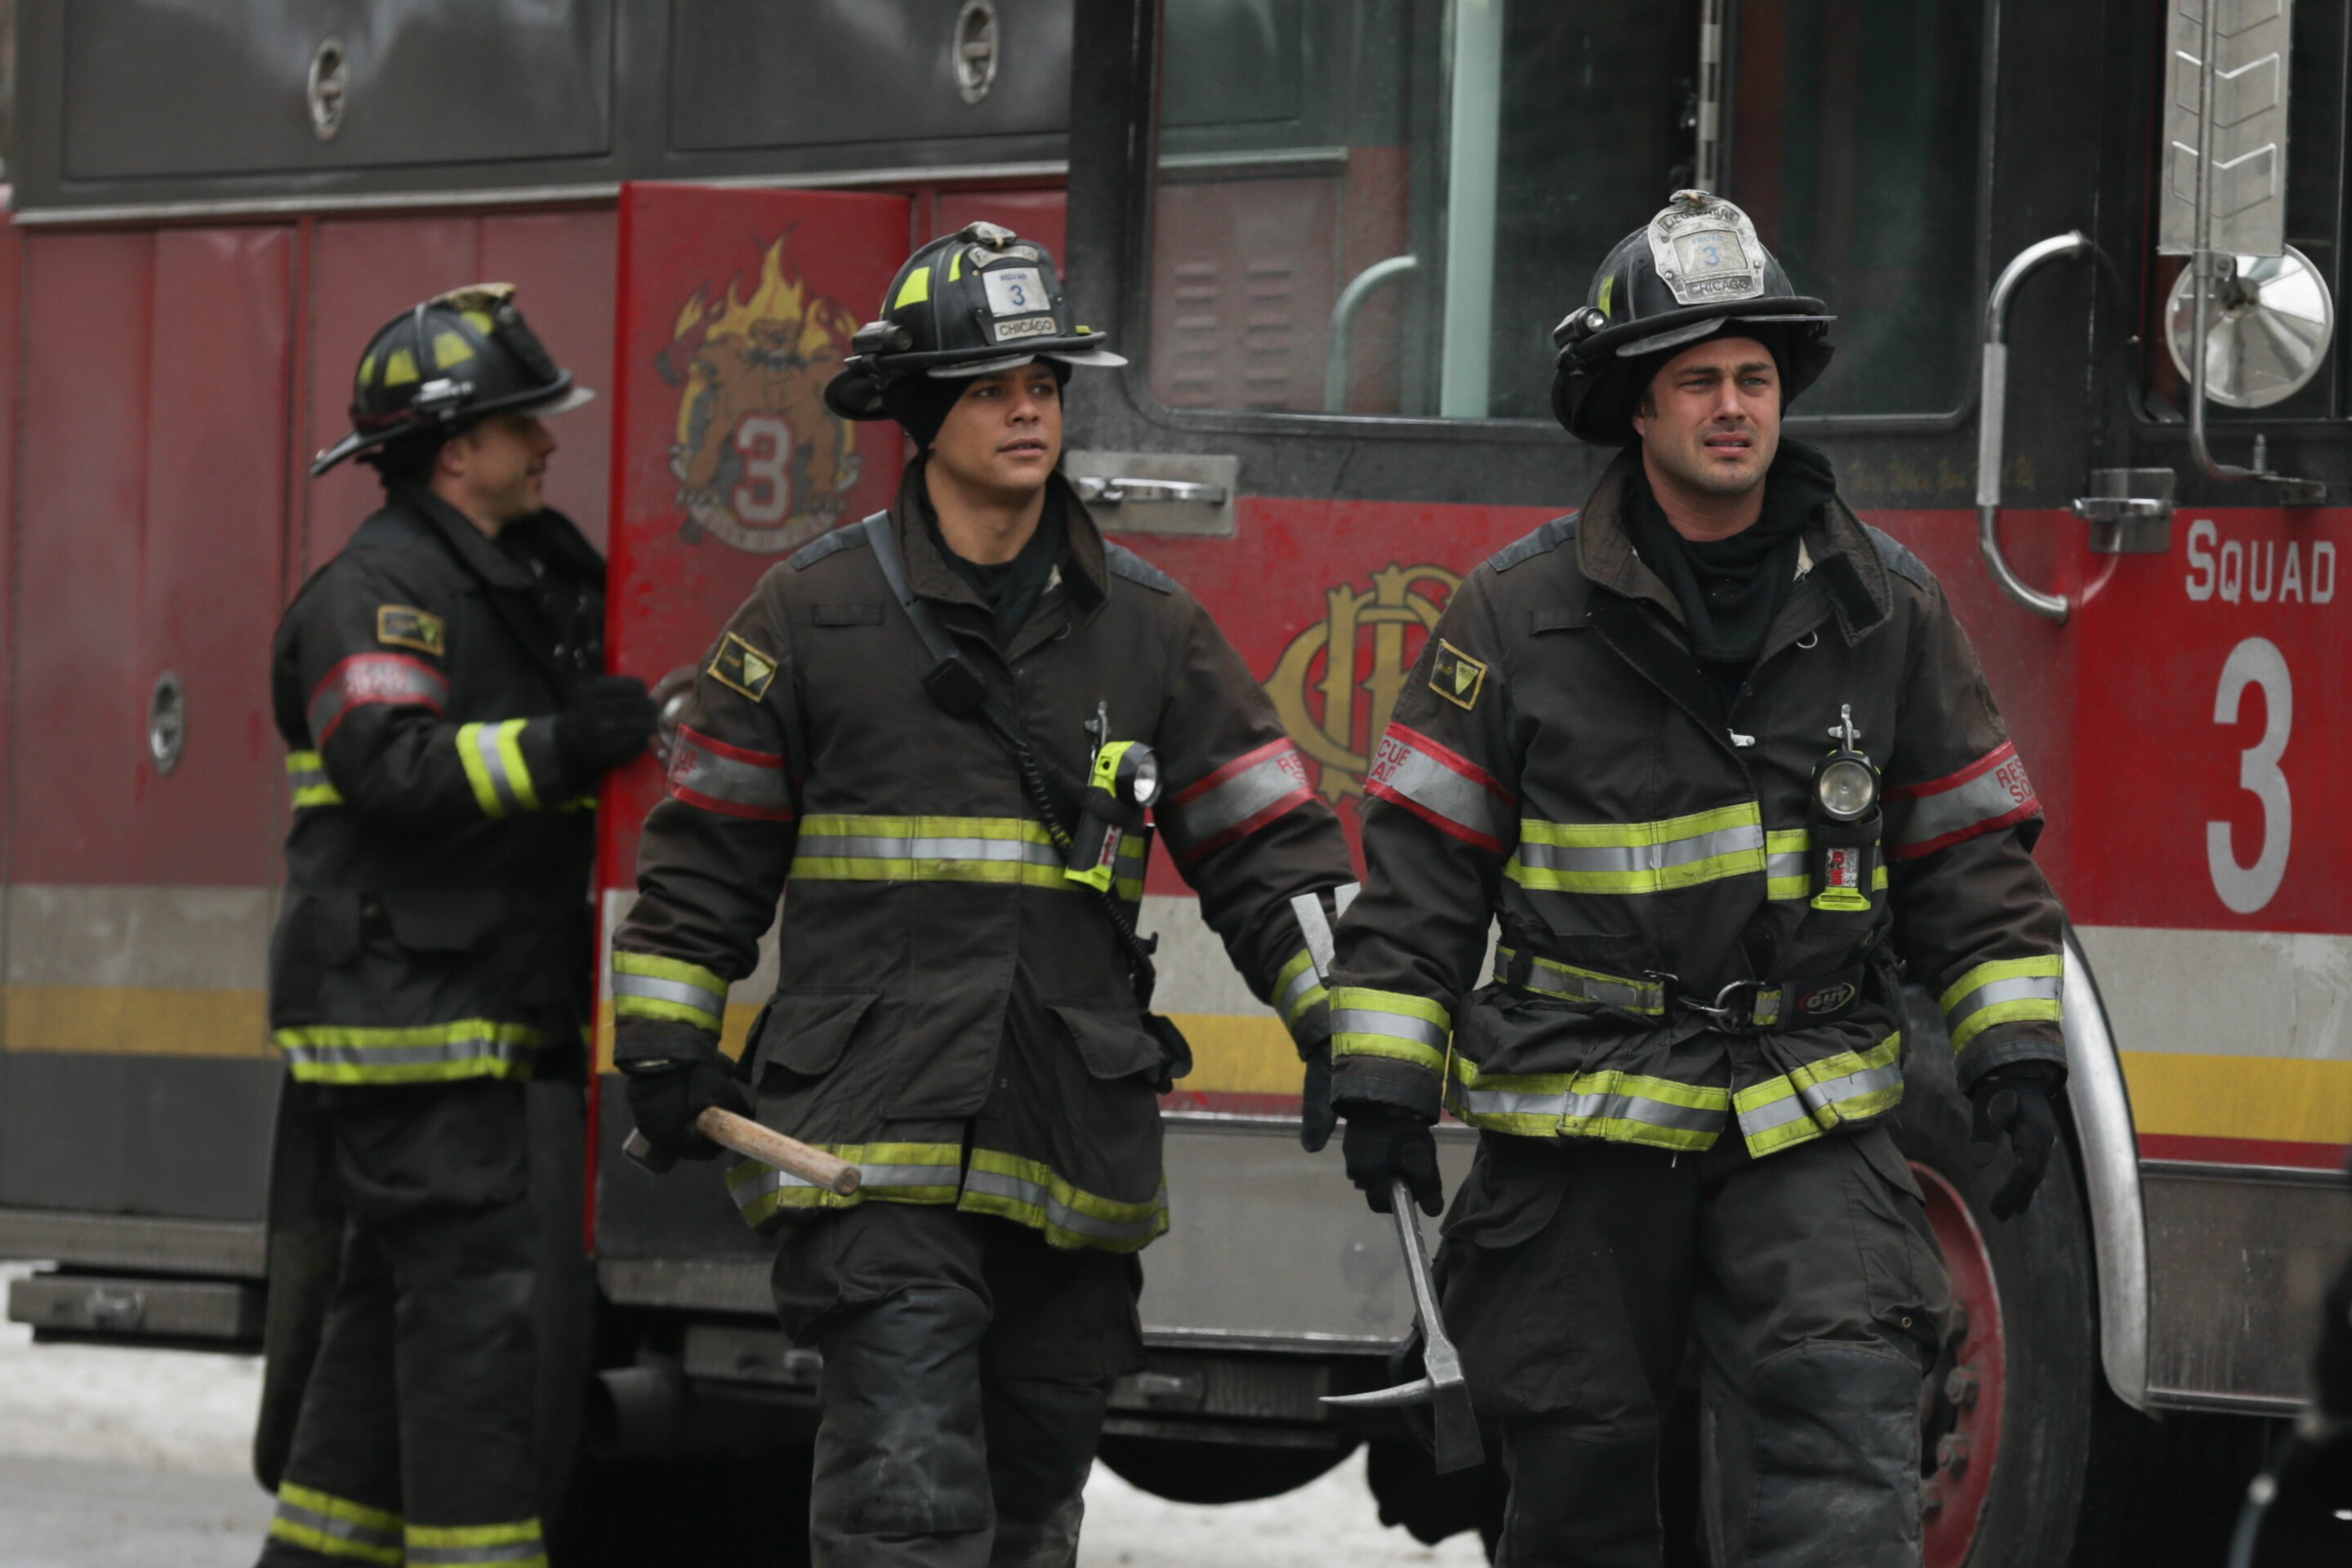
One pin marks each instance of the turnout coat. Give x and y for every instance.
(437, 924)
(1668, 968)
(954, 1015)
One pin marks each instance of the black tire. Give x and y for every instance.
(1214, 1472)
(2165, 1491)
(2043, 1264)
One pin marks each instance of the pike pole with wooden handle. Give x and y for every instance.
(741, 1135)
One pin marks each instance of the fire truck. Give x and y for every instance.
(2084, 257)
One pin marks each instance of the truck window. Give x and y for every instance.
(1383, 208)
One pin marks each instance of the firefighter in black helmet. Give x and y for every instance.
(440, 688)
(942, 726)
(1715, 755)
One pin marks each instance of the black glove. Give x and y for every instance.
(666, 1095)
(1317, 1115)
(606, 721)
(2015, 1102)
(1387, 1141)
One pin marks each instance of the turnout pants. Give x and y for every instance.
(1572, 1272)
(414, 1443)
(967, 1368)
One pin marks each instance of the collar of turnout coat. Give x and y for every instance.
(1084, 571)
(1840, 565)
(555, 536)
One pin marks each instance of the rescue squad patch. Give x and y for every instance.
(739, 667)
(404, 625)
(1456, 677)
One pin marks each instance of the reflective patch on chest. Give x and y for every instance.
(406, 625)
(739, 667)
(1456, 677)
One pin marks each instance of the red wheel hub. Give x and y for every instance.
(1960, 1416)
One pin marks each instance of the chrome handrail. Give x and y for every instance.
(1343, 322)
(1993, 408)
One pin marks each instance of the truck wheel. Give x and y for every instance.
(1184, 1471)
(2006, 1414)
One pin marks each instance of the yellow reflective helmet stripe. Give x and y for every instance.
(2008, 990)
(915, 289)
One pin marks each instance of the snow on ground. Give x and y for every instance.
(174, 1412)
(131, 1457)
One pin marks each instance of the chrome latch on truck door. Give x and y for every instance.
(1157, 492)
(2129, 511)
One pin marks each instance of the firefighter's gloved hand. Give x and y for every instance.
(606, 721)
(1317, 1115)
(1385, 1143)
(2015, 1102)
(666, 1095)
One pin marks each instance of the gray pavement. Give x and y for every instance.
(90, 1513)
(135, 1458)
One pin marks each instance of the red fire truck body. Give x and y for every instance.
(1242, 195)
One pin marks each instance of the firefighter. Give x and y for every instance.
(439, 687)
(942, 727)
(1716, 755)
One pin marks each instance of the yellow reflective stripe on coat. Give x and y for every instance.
(1615, 1106)
(1297, 989)
(1005, 850)
(1549, 977)
(517, 1545)
(1639, 856)
(671, 989)
(492, 757)
(306, 775)
(2003, 992)
(1800, 1106)
(1788, 871)
(1031, 1192)
(336, 1527)
(1366, 1023)
(887, 1172)
(423, 1053)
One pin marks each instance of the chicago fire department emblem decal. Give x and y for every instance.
(762, 463)
(1337, 683)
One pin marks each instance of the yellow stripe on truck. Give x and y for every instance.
(2276, 1098)
(135, 1021)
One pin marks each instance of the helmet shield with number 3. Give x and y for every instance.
(979, 301)
(443, 365)
(1695, 270)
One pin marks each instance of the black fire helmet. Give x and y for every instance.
(1695, 269)
(979, 301)
(439, 366)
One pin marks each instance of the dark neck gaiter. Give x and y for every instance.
(1730, 589)
(1012, 588)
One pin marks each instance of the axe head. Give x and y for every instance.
(1457, 1443)
(641, 1149)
